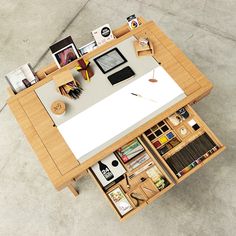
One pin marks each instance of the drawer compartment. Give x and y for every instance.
(137, 181)
(183, 143)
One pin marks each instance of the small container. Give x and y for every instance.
(58, 107)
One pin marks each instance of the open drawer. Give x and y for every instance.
(182, 143)
(130, 178)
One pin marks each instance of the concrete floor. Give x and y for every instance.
(204, 204)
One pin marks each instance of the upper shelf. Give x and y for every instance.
(45, 74)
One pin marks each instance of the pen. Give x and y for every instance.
(139, 95)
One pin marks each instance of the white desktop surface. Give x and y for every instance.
(99, 87)
(105, 122)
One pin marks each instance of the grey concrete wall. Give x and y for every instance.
(204, 204)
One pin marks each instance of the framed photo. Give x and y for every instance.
(120, 201)
(64, 52)
(110, 60)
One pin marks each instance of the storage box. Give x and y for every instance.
(63, 78)
(147, 50)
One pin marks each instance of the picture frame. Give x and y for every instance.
(119, 60)
(120, 201)
(64, 52)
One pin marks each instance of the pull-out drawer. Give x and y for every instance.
(134, 181)
(183, 143)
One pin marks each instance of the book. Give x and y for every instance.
(137, 161)
(21, 78)
(120, 201)
(64, 52)
(103, 34)
(132, 22)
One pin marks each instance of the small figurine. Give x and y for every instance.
(84, 69)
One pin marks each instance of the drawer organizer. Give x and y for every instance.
(186, 145)
(132, 177)
(142, 180)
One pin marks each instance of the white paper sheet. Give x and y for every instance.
(120, 113)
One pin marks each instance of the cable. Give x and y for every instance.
(3, 107)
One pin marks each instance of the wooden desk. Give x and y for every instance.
(56, 158)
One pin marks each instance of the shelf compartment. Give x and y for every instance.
(135, 184)
(197, 162)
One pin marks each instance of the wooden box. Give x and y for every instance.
(147, 50)
(63, 78)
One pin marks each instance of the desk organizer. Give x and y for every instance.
(191, 145)
(67, 85)
(144, 181)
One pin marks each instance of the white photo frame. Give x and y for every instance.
(65, 55)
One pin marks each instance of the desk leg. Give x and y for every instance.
(72, 187)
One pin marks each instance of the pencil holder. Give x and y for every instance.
(67, 85)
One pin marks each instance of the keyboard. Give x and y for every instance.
(121, 75)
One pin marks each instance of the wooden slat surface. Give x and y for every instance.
(52, 139)
(36, 143)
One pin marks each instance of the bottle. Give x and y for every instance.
(105, 171)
